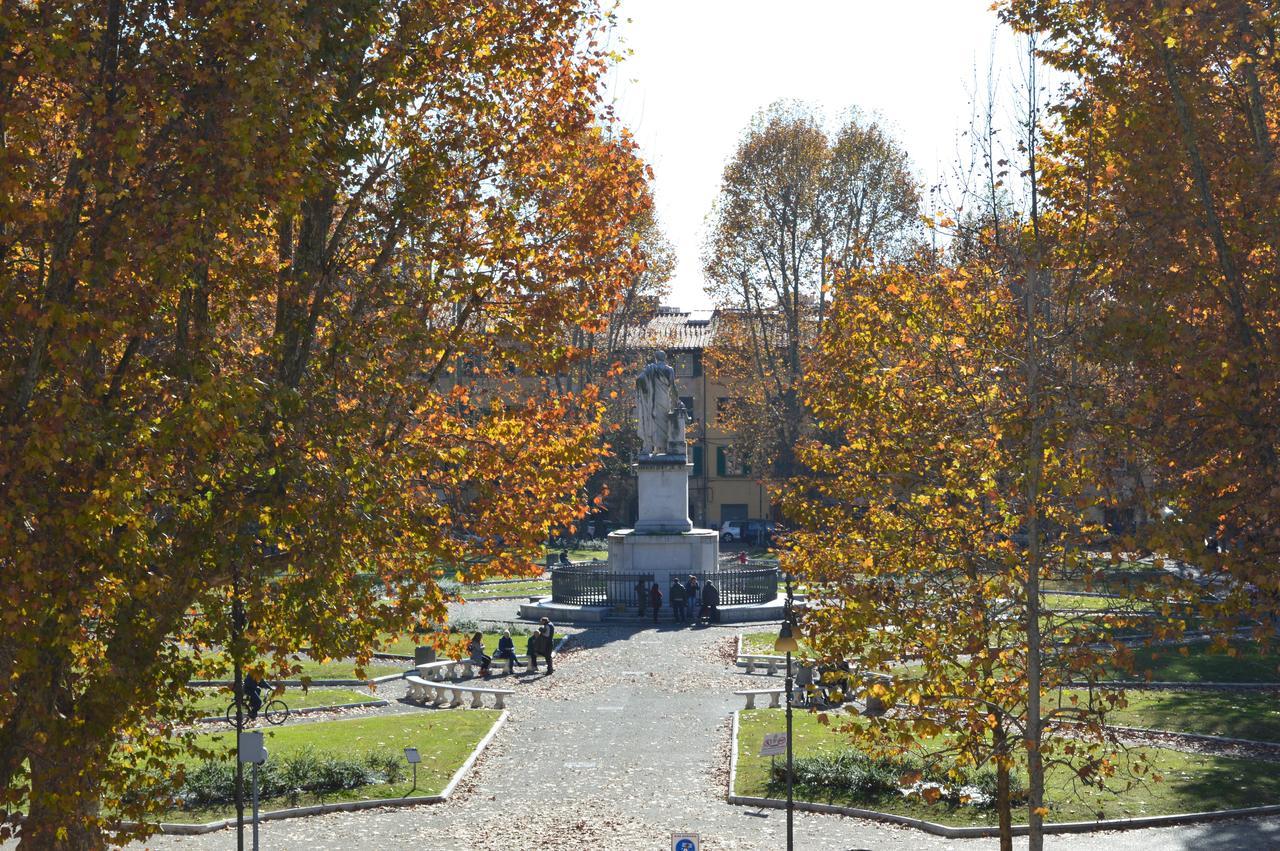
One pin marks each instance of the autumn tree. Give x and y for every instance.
(263, 263)
(795, 204)
(1167, 138)
(957, 465)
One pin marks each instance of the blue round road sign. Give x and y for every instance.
(686, 845)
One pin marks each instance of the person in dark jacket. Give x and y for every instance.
(655, 599)
(545, 641)
(678, 596)
(507, 650)
(642, 594)
(694, 598)
(710, 602)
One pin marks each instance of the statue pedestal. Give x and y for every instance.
(664, 494)
(664, 543)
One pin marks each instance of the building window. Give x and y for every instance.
(725, 409)
(728, 464)
(698, 462)
(687, 401)
(695, 363)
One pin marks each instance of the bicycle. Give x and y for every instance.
(274, 710)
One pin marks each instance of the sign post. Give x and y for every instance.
(685, 842)
(253, 750)
(774, 744)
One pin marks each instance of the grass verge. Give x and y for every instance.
(444, 739)
(214, 701)
(1212, 713)
(1192, 783)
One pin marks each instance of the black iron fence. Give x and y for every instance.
(598, 586)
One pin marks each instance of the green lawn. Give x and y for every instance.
(213, 702)
(577, 555)
(761, 643)
(490, 590)
(334, 669)
(1093, 604)
(1191, 782)
(444, 739)
(1216, 713)
(1168, 664)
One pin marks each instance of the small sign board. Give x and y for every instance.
(684, 842)
(252, 748)
(775, 744)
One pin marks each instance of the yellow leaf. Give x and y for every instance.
(1042, 811)
(1170, 42)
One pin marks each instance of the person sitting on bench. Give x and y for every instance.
(507, 650)
(478, 657)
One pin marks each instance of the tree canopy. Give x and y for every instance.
(264, 266)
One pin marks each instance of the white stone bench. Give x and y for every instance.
(775, 696)
(454, 669)
(452, 694)
(439, 670)
(772, 663)
(467, 668)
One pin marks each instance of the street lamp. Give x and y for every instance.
(786, 643)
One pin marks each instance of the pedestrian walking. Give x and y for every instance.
(678, 598)
(694, 597)
(642, 594)
(655, 599)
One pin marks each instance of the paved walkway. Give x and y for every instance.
(625, 743)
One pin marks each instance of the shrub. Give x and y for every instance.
(212, 783)
(847, 772)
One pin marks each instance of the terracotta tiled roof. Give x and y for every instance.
(674, 330)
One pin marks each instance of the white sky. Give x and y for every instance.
(699, 69)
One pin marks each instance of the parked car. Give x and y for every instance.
(758, 532)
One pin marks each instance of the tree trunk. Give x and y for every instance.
(1004, 807)
(65, 794)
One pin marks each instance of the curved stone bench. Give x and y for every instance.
(451, 694)
(439, 670)
(455, 669)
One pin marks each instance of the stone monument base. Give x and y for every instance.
(664, 555)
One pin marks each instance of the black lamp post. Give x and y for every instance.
(786, 643)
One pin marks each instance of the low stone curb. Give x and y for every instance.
(310, 710)
(179, 829)
(949, 832)
(1155, 685)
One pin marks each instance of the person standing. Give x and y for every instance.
(694, 598)
(655, 599)
(678, 597)
(710, 602)
(742, 558)
(547, 632)
(642, 594)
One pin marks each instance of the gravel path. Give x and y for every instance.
(625, 743)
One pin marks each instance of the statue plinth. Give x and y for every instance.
(664, 494)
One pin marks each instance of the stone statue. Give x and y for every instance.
(658, 408)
